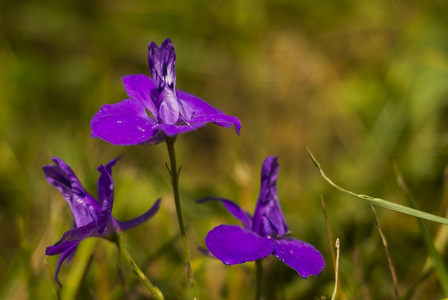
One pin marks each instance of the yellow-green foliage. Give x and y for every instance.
(363, 84)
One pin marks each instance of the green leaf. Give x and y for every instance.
(380, 202)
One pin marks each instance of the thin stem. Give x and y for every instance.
(334, 256)
(259, 267)
(389, 258)
(174, 173)
(336, 270)
(327, 225)
(156, 293)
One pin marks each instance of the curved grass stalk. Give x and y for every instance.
(380, 202)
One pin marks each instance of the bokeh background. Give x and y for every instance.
(363, 84)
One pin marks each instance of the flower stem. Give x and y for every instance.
(156, 293)
(259, 279)
(174, 173)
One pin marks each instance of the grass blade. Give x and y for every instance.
(437, 260)
(380, 202)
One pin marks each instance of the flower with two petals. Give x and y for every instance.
(155, 109)
(264, 233)
(93, 218)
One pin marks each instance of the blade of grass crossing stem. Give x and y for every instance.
(380, 202)
(437, 260)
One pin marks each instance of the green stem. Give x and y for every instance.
(259, 267)
(156, 293)
(174, 172)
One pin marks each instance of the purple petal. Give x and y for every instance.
(234, 209)
(162, 63)
(110, 164)
(235, 245)
(141, 88)
(172, 130)
(106, 194)
(68, 254)
(300, 256)
(73, 237)
(83, 206)
(221, 120)
(108, 167)
(123, 123)
(199, 106)
(137, 221)
(157, 138)
(268, 216)
(185, 110)
(204, 112)
(169, 110)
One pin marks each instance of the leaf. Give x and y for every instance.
(380, 202)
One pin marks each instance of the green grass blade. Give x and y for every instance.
(380, 202)
(437, 260)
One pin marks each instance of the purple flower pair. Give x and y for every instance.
(93, 218)
(264, 233)
(155, 109)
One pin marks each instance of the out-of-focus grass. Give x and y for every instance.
(361, 84)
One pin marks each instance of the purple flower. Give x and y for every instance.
(155, 109)
(263, 234)
(92, 218)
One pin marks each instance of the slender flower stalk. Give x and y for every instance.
(118, 239)
(174, 173)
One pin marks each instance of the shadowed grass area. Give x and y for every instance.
(363, 85)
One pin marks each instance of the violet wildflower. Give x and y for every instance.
(263, 234)
(92, 218)
(155, 109)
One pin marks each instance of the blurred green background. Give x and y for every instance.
(363, 84)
